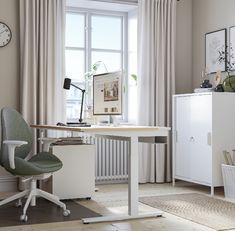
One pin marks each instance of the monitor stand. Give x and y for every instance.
(113, 121)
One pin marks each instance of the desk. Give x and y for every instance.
(133, 134)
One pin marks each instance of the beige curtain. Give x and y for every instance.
(156, 82)
(42, 31)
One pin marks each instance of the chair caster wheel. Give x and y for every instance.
(66, 212)
(88, 198)
(18, 203)
(24, 218)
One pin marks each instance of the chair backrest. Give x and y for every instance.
(14, 127)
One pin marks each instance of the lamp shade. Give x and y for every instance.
(67, 83)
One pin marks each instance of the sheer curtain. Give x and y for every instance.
(156, 82)
(42, 32)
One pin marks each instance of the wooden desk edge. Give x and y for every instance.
(101, 128)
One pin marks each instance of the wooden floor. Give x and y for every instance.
(112, 199)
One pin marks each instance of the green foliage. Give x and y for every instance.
(134, 76)
(95, 66)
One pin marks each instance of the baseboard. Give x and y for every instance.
(8, 183)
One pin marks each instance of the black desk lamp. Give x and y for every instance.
(67, 84)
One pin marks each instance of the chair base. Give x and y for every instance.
(32, 193)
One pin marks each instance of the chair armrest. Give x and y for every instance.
(46, 142)
(11, 145)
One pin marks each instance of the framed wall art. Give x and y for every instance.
(215, 43)
(232, 47)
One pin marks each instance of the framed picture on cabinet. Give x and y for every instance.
(232, 46)
(215, 43)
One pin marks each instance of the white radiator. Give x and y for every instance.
(111, 161)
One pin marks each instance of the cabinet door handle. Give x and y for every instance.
(209, 138)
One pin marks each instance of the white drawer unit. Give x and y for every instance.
(203, 126)
(76, 179)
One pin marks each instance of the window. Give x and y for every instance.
(91, 37)
(132, 67)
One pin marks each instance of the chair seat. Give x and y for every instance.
(46, 161)
(43, 162)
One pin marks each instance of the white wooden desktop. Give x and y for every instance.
(133, 134)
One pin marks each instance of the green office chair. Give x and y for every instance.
(15, 146)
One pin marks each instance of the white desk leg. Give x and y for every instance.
(133, 177)
(132, 191)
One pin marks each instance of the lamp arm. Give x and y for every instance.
(76, 86)
(80, 119)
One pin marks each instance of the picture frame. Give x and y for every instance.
(232, 45)
(215, 42)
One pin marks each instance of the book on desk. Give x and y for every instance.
(69, 141)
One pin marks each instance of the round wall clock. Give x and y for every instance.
(5, 34)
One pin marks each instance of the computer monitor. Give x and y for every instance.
(107, 93)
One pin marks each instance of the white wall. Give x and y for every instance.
(184, 47)
(9, 59)
(208, 15)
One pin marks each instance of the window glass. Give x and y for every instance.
(73, 110)
(73, 105)
(101, 42)
(112, 61)
(74, 34)
(74, 64)
(132, 68)
(106, 32)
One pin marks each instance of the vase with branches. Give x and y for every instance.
(89, 79)
(227, 57)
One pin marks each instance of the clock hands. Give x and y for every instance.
(4, 30)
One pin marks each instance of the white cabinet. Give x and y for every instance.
(203, 126)
(76, 179)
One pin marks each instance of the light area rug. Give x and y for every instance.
(206, 210)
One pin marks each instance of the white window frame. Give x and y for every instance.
(88, 13)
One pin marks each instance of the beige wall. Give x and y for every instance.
(208, 15)
(9, 58)
(184, 47)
